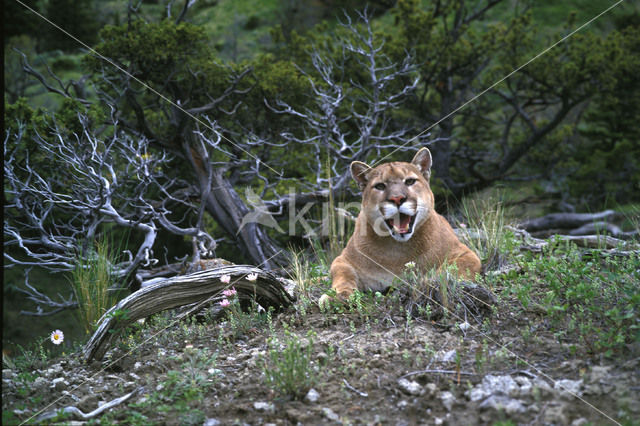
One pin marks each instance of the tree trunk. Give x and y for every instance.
(226, 207)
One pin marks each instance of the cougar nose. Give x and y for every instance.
(399, 199)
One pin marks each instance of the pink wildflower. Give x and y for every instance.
(229, 292)
(224, 303)
(225, 279)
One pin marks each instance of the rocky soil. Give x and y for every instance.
(371, 364)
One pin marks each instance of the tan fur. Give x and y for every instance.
(371, 259)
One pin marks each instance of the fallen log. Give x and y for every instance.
(199, 289)
(566, 220)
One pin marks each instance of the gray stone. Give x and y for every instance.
(59, 383)
(312, 396)
(211, 422)
(494, 385)
(503, 403)
(447, 399)
(525, 386)
(431, 389)
(8, 374)
(572, 387)
(599, 373)
(264, 407)
(330, 414)
(39, 383)
(410, 387)
(555, 414)
(542, 387)
(449, 356)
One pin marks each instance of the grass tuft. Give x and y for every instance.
(91, 280)
(485, 230)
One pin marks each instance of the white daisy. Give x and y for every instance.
(57, 337)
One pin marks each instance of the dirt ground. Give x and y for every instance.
(369, 365)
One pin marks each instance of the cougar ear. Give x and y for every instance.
(359, 172)
(422, 161)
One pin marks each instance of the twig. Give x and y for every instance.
(413, 373)
(351, 388)
(77, 414)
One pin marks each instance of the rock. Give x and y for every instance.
(599, 374)
(54, 369)
(431, 389)
(464, 326)
(555, 414)
(402, 404)
(322, 357)
(449, 356)
(525, 386)
(215, 372)
(579, 422)
(312, 396)
(438, 421)
(494, 385)
(542, 387)
(447, 399)
(39, 383)
(264, 407)
(59, 384)
(410, 387)
(211, 422)
(8, 374)
(330, 414)
(503, 403)
(572, 387)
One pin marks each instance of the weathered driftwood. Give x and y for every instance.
(199, 288)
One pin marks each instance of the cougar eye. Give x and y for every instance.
(409, 182)
(380, 186)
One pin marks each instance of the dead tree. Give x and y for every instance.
(62, 190)
(351, 117)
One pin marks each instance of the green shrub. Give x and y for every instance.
(289, 368)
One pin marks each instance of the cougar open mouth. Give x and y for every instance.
(401, 223)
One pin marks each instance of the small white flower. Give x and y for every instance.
(225, 279)
(252, 277)
(57, 337)
(465, 326)
(410, 265)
